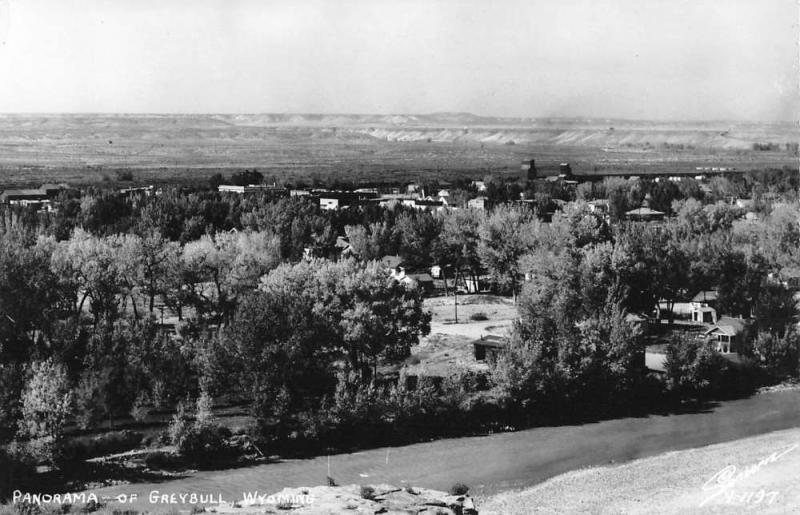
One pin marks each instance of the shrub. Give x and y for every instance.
(141, 408)
(479, 316)
(367, 492)
(459, 489)
(46, 405)
(205, 443)
(692, 367)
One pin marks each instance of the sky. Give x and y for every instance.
(638, 59)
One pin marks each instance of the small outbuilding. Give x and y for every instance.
(488, 347)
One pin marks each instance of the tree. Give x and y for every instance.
(775, 309)
(652, 265)
(576, 225)
(157, 262)
(505, 236)
(373, 241)
(694, 369)
(92, 266)
(32, 297)
(220, 268)
(311, 318)
(417, 233)
(458, 242)
(46, 406)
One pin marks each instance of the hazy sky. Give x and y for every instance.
(673, 59)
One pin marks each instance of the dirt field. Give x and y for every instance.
(478, 315)
(753, 475)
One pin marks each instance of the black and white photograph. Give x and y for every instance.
(426, 257)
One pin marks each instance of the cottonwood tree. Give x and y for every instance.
(219, 268)
(505, 236)
(32, 297)
(373, 241)
(93, 266)
(157, 271)
(417, 234)
(458, 243)
(311, 318)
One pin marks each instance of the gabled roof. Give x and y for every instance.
(728, 325)
(422, 277)
(706, 296)
(491, 340)
(644, 211)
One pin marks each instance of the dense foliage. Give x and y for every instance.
(117, 305)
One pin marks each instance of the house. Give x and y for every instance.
(331, 203)
(729, 334)
(489, 347)
(644, 214)
(26, 197)
(436, 272)
(702, 307)
(422, 281)
(137, 190)
(429, 204)
(480, 203)
(271, 189)
(704, 314)
(478, 185)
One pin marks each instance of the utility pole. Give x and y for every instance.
(455, 296)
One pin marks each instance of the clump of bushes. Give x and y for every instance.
(480, 316)
(201, 441)
(367, 492)
(459, 489)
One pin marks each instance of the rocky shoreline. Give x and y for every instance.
(356, 499)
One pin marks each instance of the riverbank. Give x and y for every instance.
(499, 462)
(757, 475)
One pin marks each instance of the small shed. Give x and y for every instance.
(488, 347)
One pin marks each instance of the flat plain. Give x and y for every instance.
(358, 149)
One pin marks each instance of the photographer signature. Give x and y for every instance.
(723, 482)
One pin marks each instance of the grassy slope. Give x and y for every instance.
(671, 483)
